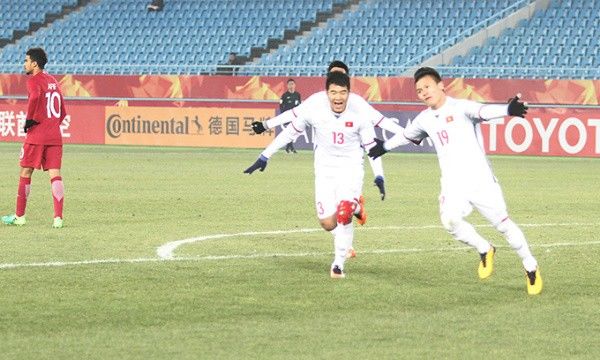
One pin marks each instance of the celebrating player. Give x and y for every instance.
(354, 101)
(467, 179)
(43, 143)
(341, 135)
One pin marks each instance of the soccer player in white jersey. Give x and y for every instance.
(341, 136)
(355, 100)
(467, 179)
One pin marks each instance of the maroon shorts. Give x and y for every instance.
(41, 156)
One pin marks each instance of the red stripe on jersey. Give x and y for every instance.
(369, 143)
(293, 112)
(380, 120)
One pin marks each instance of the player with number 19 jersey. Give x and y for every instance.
(47, 107)
(455, 132)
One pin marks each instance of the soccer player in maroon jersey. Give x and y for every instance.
(43, 143)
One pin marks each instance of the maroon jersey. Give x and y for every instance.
(46, 106)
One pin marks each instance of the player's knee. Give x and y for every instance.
(505, 226)
(329, 223)
(509, 228)
(26, 172)
(345, 211)
(451, 222)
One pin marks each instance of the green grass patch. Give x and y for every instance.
(412, 292)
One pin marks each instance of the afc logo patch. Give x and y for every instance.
(449, 119)
(349, 124)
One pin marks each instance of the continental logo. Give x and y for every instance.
(116, 125)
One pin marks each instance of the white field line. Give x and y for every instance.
(264, 256)
(166, 251)
(6, 266)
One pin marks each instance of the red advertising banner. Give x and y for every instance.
(551, 131)
(545, 132)
(580, 92)
(84, 123)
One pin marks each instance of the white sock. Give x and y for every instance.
(517, 241)
(465, 232)
(343, 237)
(358, 207)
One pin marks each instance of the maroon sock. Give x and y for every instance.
(58, 195)
(22, 195)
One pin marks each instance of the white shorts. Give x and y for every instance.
(331, 187)
(486, 197)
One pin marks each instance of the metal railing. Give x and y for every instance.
(525, 72)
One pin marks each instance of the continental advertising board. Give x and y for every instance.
(198, 126)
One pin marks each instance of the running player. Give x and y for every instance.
(467, 179)
(341, 135)
(354, 101)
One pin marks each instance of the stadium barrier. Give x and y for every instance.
(207, 111)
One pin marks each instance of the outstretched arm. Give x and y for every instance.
(285, 117)
(290, 133)
(486, 112)
(390, 124)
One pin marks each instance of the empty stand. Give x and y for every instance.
(562, 41)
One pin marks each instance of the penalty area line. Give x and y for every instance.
(8, 266)
(166, 251)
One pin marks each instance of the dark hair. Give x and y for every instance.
(337, 78)
(338, 63)
(291, 80)
(427, 71)
(38, 55)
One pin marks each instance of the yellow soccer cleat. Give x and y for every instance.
(362, 215)
(350, 253)
(486, 265)
(337, 273)
(534, 282)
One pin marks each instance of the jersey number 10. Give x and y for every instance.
(53, 104)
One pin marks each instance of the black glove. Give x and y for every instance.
(260, 163)
(516, 107)
(377, 150)
(380, 184)
(28, 124)
(258, 127)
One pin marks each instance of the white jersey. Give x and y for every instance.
(339, 138)
(356, 103)
(455, 132)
